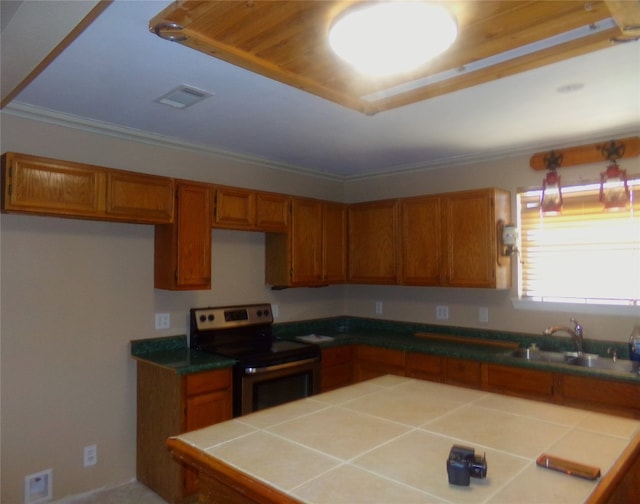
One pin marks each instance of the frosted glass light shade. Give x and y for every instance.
(389, 38)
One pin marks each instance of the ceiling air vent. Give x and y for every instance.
(183, 97)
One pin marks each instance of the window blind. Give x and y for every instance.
(585, 254)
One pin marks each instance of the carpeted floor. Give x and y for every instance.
(131, 493)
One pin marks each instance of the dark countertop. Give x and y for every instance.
(172, 352)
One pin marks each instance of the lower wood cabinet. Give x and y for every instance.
(424, 366)
(371, 362)
(463, 372)
(337, 367)
(529, 383)
(169, 404)
(594, 393)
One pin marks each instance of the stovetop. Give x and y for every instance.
(244, 333)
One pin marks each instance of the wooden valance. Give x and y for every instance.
(585, 154)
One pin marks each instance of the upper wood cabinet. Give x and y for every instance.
(244, 209)
(451, 239)
(234, 208)
(300, 257)
(373, 242)
(272, 211)
(51, 187)
(183, 248)
(334, 242)
(421, 240)
(144, 198)
(470, 238)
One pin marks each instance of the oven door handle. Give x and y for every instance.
(253, 370)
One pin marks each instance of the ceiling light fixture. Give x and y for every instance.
(389, 38)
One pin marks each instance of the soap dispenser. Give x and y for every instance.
(634, 343)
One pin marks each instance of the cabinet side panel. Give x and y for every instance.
(159, 415)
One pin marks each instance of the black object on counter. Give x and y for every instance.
(463, 464)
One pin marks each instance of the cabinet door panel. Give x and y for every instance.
(50, 187)
(463, 372)
(306, 241)
(596, 392)
(424, 366)
(370, 362)
(272, 212)
(470, 247)
(183, 249)
(421, 240)
(373, 242)
(138, 197)
(519, 381)
(335, 242)
(235, 208)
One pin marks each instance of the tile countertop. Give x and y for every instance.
(388, 440)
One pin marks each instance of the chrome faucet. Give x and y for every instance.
(575, 333)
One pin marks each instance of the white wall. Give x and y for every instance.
(74, 293)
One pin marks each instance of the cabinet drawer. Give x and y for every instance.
(519, 381)
(464, 372)
(199, 383)
(339, 355)
(425, 366)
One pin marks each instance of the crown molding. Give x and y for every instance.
(134, 135)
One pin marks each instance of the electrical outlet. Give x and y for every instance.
(483, 314)
(163, 321)
(38, 487)
(379, 307)
(442, 312)
(90, 455)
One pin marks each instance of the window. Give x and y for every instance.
(584, 255)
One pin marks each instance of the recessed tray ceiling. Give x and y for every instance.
(287, 41)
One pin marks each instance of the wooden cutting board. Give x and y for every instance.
(468, 340)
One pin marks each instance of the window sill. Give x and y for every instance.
(595, 309)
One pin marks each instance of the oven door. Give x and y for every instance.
(269, 386)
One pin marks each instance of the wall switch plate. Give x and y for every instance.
(379, 307)
(90, 455)
(38, 487)
(442, 312)
(275, 311)
(163, 321)
(483, 314)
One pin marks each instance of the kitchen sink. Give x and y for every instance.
(587, 360)
(539, 355)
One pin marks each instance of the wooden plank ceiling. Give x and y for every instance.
(287, 41)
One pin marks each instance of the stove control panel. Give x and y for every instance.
(209, 319)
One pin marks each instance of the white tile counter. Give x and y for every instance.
(388, 439)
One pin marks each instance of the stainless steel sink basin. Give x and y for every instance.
(539, 355)
(587, 360)
(620, 365)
